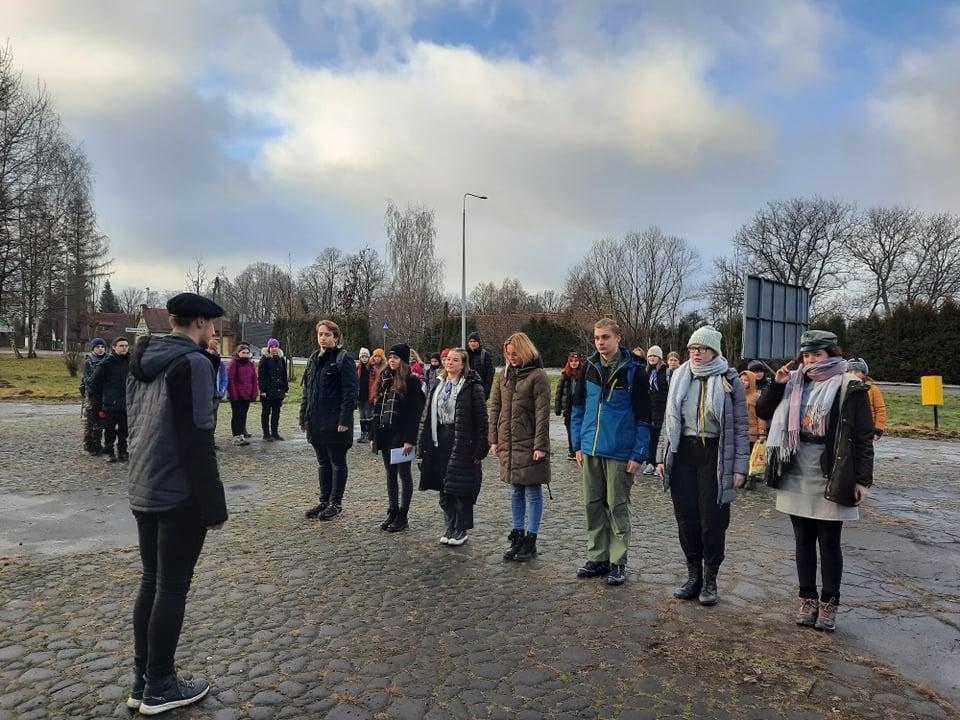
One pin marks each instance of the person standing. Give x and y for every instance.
(702, 457)
(878, 406)
(519, 436)
(366, 384)
(610, 427)
(326, 415)
(820, 460)
(452, 442)
(481, 362)
(274, 386)
(378, 361)
(673, 362)
(433, 370)
(570, 379)
(243, 389)
(92, 429)
(762, 373)
(396, 416)
(108, 390)
(175, 492)
(658, 386)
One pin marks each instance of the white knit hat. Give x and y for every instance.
(708, 337)
(363, 351)
(655, 350)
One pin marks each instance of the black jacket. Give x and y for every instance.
(329, 397)
(272, 377)
(408, 409)
(482, 364)
(847, 458)
(566, 393)
(462, 475)
(658, 396)
(108, 386)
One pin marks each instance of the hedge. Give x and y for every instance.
(298, 336)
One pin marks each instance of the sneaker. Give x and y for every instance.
(459, 538)
(111, 458)
(238, 440)
(618, 575)
(809, 610)
(572, 457)
(172, 692)
(136, 691)
(268, 437)
(277, 437)
(594, 569)
(247, 436)
(314, 512)
(827, 618)
(330, 513)
(649, 470)
(447, 534)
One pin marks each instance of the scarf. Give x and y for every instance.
(714, 373)
(444, 400)
(795, 415)
(386, 405)
(654, 372)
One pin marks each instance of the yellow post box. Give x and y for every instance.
(931, 393)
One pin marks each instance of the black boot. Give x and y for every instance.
(528, 550)
(314, 512)
(515, 538)
(400, 522)
(691, 588)
(708, 596)
(391, 516)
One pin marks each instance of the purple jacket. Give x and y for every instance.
(242, 379)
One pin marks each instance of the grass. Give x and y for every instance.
(46, 378)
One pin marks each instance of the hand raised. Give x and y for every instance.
(783, 374)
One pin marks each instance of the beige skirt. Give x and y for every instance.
(801, 489)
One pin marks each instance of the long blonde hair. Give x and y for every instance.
(522, 346)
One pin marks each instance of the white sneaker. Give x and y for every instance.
(649, 470)
(240, 440)
(459, 538)
(444, 539)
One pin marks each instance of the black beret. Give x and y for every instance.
(191, 305)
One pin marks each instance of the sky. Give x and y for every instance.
(242, 131)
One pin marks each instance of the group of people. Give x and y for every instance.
(689, 420)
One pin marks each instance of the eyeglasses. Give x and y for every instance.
(697, 349)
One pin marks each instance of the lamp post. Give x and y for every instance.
(463, 270)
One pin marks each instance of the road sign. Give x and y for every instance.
(138, 330)
(386, 326)
(775, 315)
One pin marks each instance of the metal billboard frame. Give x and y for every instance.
(775, 315)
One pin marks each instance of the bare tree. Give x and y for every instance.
(362, 275)
(725, 296)
(931, 271)
(880, 246)
(258, 292)
(197, 277)
(130, 299)
(802, 241)
(320, 282)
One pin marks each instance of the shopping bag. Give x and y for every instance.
(758, 460)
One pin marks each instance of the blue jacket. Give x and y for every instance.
(222, 380)
(611, 411)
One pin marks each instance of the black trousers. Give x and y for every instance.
(170, 544)
(826, 533)
(654, 439)
(115, 431)
(270, 415)
(399, 483)
(566, 422)
(457, 509)
(332, 459)
(701, 522)
(238, 417)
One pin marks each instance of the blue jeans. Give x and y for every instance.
(527, 500)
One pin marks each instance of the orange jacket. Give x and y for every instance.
(877, 404)
(757, 427)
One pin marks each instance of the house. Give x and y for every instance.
(156, 321)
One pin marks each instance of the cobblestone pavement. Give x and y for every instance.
(292, 618)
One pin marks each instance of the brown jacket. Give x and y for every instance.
(758, 427)
(520, 424)
(877, 404)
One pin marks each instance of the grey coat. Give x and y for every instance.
(734, 448)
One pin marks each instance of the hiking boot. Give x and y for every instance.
(515, 538)
(594, 569)
(399, 522)
(391, 516)
(136, 690)
(809, 610)
(278, 437)
(172, 692)
(827, 619)
(618, 574)
(314, 512)
(708, 595)
(528, 548)
(459, 538)
(330, 513)
(691, 588)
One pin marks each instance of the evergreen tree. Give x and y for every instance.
(108, 301)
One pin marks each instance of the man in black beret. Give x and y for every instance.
(175, 491)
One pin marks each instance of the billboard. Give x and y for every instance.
(775, 315)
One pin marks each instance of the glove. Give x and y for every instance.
(102, 415)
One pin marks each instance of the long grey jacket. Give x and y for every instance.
(171, 392)
(733, 454)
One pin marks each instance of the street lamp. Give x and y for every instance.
(463, 271)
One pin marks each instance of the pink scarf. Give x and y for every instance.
(827, 374)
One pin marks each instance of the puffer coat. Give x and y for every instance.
(520, 423)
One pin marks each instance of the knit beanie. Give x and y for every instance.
(97, 341)
(273, 342)
(473, 336)
(655, 350)
(402, 351)
(858, 364)
(708, 337)
(364, 351)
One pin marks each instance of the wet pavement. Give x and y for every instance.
(292, 618)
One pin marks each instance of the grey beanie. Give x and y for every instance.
(708, 337)
(858, 364)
